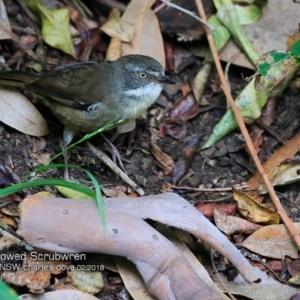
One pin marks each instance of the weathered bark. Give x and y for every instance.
(66, 225)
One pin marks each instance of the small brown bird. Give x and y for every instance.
(87, 96)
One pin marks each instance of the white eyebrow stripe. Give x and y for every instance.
(155, 73)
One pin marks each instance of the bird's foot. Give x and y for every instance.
(116, 157)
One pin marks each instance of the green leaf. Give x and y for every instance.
(227, 14)
(263, 68)
(55, 29)
(248, 14)
(254, 96)
(71, 193)
(221, 36)
(273, 66)
(55, 26)
(295, 49)
(279, 56)
(250, 101)
(6, 292)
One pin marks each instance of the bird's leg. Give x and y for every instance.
(67, 139)
(115, 153)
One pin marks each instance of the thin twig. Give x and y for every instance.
(190, 13)
(218, 275)
(289, 200)
(106, 160)
(268, 268)
(229, 189)
(158, 8)
(237, 113)
(271, 132)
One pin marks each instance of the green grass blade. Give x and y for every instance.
(41, 182)
(108, 126)
(6, 292)
(98, 195)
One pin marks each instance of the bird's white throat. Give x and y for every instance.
(145, 96)
(149, 91)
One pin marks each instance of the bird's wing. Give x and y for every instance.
(73, 85)
(17, 78)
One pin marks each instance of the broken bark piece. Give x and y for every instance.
(66, 225)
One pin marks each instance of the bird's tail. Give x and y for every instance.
(17, 78)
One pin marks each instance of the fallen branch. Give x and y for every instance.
(66, 225)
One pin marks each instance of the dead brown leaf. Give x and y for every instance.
(184, 109)
(18, 112)
(208, 209)
(232, 225)
(287, 151)
(147, 39)
(117, 27)
(86, 281)
(163, 160)
(273, 241)
(254, 211)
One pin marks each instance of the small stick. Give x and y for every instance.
(229, 189)
(108, 162)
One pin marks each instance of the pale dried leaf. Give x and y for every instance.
(132, 279)
(287, 151)
(42, 158)
(127, 127)
(70, 193)
(65, 295)
(263, 292)
(232, 225)
(6, 242)
(273, 241)
(118, 28)
(254, 211)
(163, 160)
(147, 39)
(114, 49)
(19, 113)
(285, 173)
(87, 281)
(5, 29)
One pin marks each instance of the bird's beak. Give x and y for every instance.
(164, 79)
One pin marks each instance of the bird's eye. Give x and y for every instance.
(143, 75)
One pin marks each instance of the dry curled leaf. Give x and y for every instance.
(86, 281)
(254, 211)
(232, 225)
(208, 209)
(285, 173)
(118, 28)
(184, 109)
(147, 39)
(273, 241)
(18, 112)
(163, 160)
